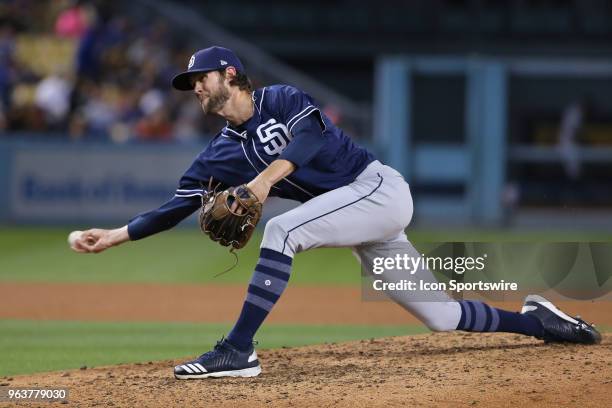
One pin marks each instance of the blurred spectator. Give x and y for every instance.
(89, 53)
(73, 21)
(95, 117)
(151, 101)
(155, 126)
(7, 63)
(128, 114)
(53, 98)
(152, 47)
(3, 121)
(188, 117)
(24, 115)
(118, 88)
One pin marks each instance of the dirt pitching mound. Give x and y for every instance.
(441, 369)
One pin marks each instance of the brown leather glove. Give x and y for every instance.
(228, 227)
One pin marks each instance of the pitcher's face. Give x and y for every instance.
(211, 90)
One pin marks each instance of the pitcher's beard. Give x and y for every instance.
(216, 102)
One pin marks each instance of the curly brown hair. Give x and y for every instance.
(241, 80)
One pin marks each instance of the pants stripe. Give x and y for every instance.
(330, 212)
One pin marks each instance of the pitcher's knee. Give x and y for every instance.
(276, 236)
(438, 316)
(440, 324)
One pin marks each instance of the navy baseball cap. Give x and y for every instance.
(208, 59)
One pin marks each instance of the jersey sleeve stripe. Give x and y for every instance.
(198, 192)
(263, 92)
(307, 110)
(188, 195)
(306, 114)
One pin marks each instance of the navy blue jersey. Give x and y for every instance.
(286, 124)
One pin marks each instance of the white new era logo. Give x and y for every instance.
(223, 62)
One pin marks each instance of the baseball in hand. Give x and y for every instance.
(73, 236)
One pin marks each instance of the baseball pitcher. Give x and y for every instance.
(277, 142)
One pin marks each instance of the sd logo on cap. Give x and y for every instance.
(208, 59)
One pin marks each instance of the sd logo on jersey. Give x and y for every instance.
(274, 136)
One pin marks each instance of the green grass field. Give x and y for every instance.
(177, 257)
(186, 256)
(29, 346)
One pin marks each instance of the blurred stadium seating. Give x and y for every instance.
(87, 73)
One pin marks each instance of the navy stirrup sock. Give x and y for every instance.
(268, 282)
(479, 317)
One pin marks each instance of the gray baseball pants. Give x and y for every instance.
(369, 215)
